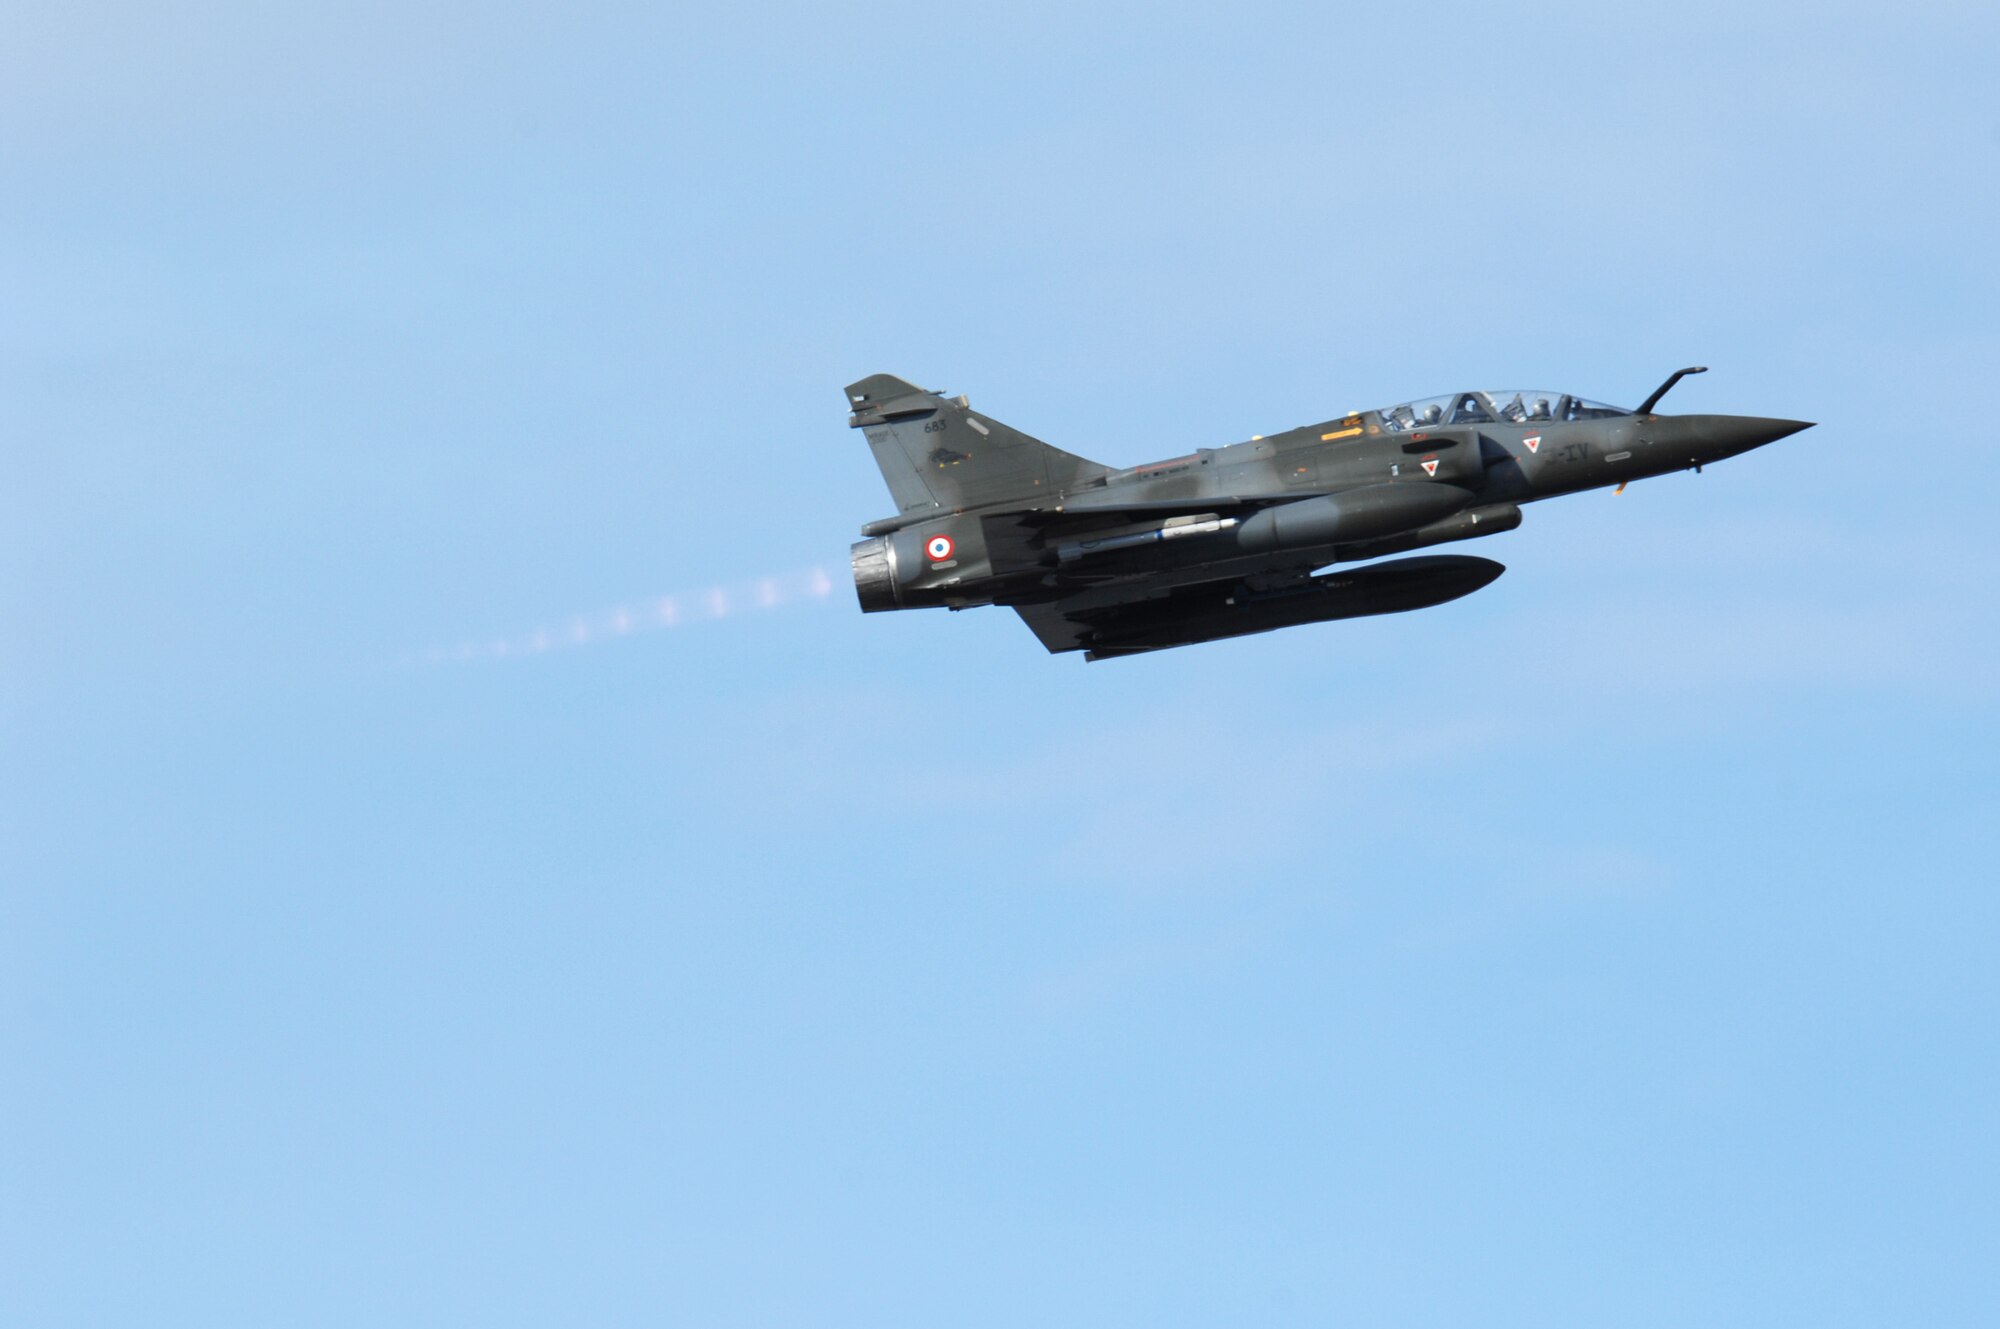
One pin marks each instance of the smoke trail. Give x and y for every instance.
(659, 613)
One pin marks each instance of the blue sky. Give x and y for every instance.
(1612, 945)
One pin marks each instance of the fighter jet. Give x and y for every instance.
(1245, 538)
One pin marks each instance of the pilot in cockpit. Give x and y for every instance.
(1432, 414)
(1541, 409)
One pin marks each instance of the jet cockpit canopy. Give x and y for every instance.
(1511, 406)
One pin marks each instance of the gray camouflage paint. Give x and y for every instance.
(1224, 541)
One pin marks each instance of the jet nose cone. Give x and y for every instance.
(1770, 431)
(1732, 434)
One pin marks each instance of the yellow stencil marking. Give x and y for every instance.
(1340, 433)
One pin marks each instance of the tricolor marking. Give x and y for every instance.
(938, 548)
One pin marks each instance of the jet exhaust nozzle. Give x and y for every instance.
(874, 563)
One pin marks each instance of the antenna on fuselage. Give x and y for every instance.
(1646, 406)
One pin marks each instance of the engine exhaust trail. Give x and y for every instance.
(660, 613)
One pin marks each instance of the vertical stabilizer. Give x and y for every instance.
(937, 452)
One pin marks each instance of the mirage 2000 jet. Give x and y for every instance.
(1227, 541)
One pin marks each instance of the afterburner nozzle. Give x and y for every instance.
(875, 575)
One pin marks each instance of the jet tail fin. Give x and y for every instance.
(936, 452)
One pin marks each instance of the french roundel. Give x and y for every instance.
(938, 547)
